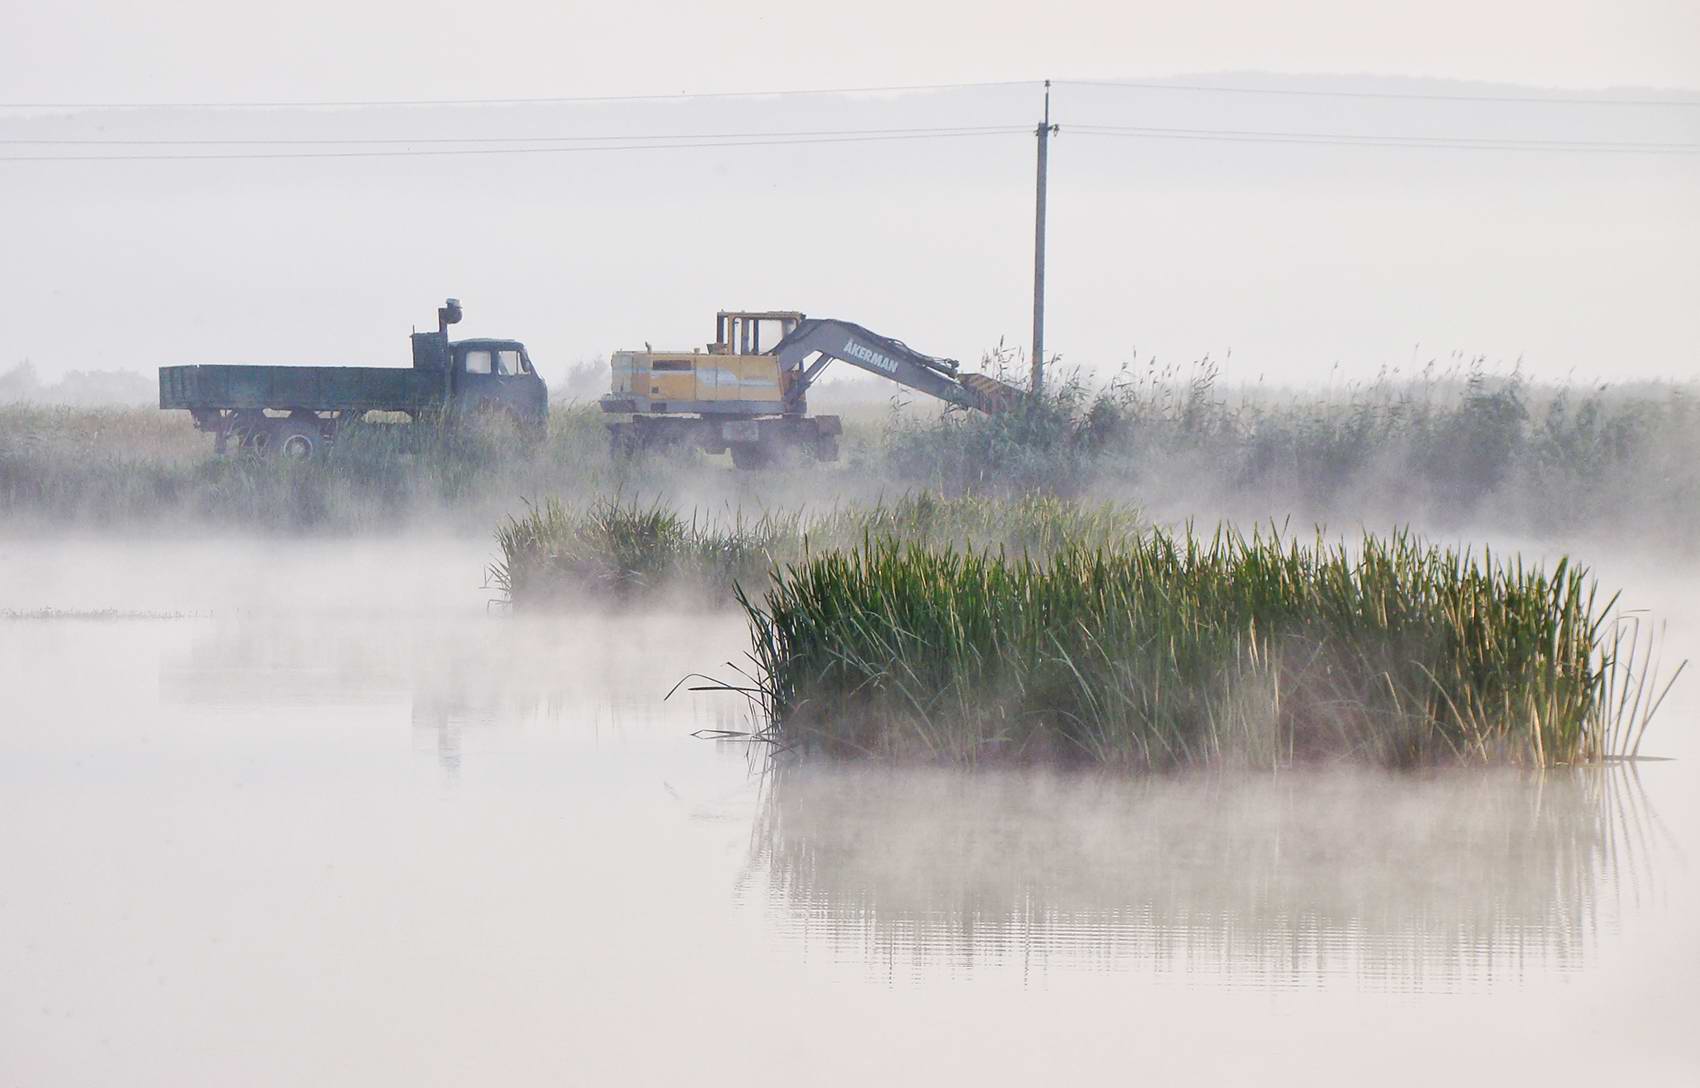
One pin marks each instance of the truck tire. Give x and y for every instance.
(297, 439)
(251, 431)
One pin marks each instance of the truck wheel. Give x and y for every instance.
(297, 440)
(251, 431)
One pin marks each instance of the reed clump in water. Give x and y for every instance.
(1173, 651)
(615, 548)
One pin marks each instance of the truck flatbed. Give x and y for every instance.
(237, 387)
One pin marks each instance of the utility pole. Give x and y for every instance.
(1044, 132)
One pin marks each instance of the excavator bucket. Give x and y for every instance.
(991, 395)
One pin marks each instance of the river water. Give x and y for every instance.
(320, 813)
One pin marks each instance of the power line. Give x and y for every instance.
(358, 140)
(940, 134)
(568, 99)
(665, 143)
(1496, 142)
(1692, 103)
(1130, 85)
(499, 145)
(1460, 143)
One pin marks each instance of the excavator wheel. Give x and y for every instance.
(752, 455)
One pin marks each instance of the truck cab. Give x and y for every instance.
(485, 377)
(497, 375)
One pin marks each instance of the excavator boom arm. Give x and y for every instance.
(833, 339)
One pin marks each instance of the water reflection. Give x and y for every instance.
(1401, 883)
(1397, 883)
(452, 679)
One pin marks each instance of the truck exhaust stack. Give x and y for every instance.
(448, 314)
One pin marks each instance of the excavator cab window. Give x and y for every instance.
(738, 332)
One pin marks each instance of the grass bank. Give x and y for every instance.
(139, 468)
(1449, 450)
(1174, 651)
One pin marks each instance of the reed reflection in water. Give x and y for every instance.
(1449, 881)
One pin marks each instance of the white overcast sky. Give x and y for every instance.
(1301, 262)
(220, 49)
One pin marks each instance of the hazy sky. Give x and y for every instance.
(1303, 261)
(216, 49)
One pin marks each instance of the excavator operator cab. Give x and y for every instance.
(744, 332)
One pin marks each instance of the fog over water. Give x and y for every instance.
(289, 795)
(315, 812)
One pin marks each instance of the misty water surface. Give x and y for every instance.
(317, 813)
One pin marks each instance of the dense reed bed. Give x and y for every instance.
(1178, 651)
(622, 549)
(1448, 447)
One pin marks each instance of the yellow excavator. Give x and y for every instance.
(736, 396)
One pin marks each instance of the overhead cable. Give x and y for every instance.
(556, 150)
(1411, 96)
(947, 130)
(384, 147)
(544, 101)
(1460, 143)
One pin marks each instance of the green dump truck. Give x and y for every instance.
(298, 410)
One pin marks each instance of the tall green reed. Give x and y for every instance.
(1177, 650)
